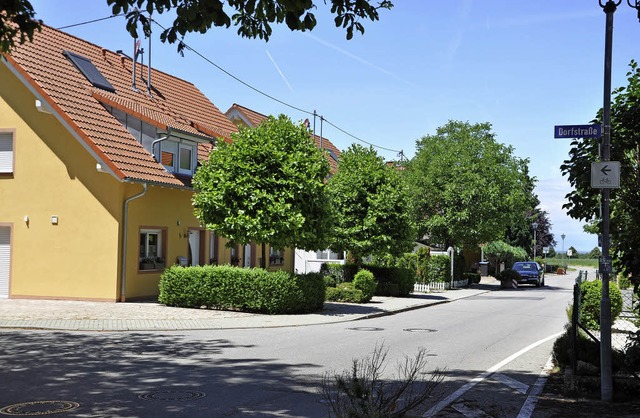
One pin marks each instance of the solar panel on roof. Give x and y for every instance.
(90, 71)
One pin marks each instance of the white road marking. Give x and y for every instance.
(530, 404)
(511, 382)
(458, 393)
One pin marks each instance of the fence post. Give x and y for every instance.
(574, 328)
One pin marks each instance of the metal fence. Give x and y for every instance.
(623, 326)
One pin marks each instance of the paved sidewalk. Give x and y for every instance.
(150, 316)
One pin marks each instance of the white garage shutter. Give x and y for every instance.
(5, 257)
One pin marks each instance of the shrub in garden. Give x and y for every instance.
(438, 269)
(472, 277)
(344, 292)
(507, 276)
(250, 290)
(365, 282)
(590, 298)
(392, 281)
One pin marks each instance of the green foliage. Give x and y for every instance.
(249, 290)
(632, 354)
(595, 253)
(590, 298)
(372, 206)
(438, 269)
(392, 281)
(588, 351)
(623, 281)
(17, 23)
(584, 201)
(500, 252)
(345, 292)
(467, 187)
(472, 277)
(266, 187)
(366, 283)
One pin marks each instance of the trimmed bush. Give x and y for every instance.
(590, 298)
(471, 277)
(249, 290)
(344, 292)
(365, 282)
(392, 281)
(438, 269)
(507, 276)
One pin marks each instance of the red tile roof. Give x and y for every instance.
(256, 119)
(173, 104)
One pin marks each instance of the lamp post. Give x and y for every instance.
(535, 242)
(563, 236)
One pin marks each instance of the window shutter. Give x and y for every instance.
(5, 258)
(6, 152)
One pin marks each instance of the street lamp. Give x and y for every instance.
(563, 236)
(535, 242)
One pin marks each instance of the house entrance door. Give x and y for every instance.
(5, 259)
(194, 247)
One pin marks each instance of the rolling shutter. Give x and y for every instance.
(6, 152)
(5, 258)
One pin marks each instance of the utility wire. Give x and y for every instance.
(244, 83)
(89, 21)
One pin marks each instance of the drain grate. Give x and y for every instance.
(420, 330)
(366, 329)
(173, 395)
(39, 408)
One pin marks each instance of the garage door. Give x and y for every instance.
(5, 258)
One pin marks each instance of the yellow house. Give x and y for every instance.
(97, 152)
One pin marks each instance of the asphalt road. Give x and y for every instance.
(493, 347)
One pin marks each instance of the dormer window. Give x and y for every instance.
(178, 156)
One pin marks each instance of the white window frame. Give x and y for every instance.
(190, 148)
(145, 252)
(7, 151)
(329, 255)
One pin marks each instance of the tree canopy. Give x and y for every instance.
(253, 18)
(584, 201)
(371, 206)
(467, 187)
(268, 187)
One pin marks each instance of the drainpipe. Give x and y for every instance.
(157, 141)
(125, 222)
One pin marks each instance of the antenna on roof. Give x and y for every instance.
(136, 51)
(149, 59)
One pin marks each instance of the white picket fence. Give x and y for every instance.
(438, 286)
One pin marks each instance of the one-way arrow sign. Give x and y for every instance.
(605, 175)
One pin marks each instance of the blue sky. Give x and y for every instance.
(522, 66)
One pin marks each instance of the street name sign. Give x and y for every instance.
(605, 175)
(605, 265)
(577, 131)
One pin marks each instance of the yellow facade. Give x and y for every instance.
(67, 217)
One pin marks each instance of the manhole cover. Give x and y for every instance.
(420, 330)
(173, 395)
(366, 329)
(39, 408)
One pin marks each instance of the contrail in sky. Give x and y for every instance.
(279, 71)
(361, 60)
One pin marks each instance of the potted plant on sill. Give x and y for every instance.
(147, 263)
(158, 263)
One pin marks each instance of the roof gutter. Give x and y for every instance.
(125, 223)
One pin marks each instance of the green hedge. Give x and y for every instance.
(366, 283)
(392, 281)
(249, 290)
(345, 292)
(590, 299)
(438, 269)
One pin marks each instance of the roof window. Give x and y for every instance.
(90, 71)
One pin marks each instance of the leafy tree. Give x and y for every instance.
(252, 18)
(499, 251)
(371, 205)
(267, 187)
(595, 253)
(584, 201)
(467, 187)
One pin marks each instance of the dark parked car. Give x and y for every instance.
(530, 272)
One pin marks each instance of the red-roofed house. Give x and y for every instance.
(96, 160)
(304, 261)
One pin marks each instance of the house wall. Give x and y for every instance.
(54, 175)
